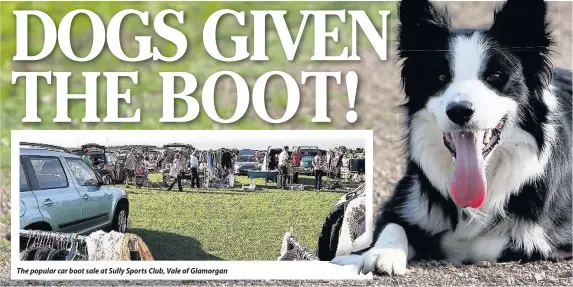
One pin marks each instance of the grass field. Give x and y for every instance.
(211, 224)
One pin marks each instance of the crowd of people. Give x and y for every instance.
(177, 164)
(177, 170)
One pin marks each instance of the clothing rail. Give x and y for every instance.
(65, 237)
(302, 251)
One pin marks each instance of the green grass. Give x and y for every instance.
(154, 177)
(225, 224)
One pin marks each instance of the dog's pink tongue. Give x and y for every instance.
(468, 187)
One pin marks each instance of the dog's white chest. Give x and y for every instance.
(486, 247)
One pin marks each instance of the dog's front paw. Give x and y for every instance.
(384, 261)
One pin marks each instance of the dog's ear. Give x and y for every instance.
(522, 27)
(522, 24)
(422, 27)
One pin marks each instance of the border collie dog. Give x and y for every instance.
(488, 144)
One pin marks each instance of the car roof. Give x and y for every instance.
(46, 152)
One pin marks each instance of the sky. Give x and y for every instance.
(205, 139)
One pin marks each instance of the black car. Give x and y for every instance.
(101, 162)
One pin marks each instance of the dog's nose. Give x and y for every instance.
(460, 112)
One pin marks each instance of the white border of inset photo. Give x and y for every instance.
(235, 270)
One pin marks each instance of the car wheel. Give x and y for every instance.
(107, 180)
(120, 219)
(41, 226)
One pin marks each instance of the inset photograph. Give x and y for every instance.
(192, 195)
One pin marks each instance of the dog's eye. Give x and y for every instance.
(495, 77)
(443, 78)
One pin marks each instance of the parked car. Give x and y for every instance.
(61, 192)
(119, 168)
(244, 163)
(271, 161)
(251, 152)
(103, 162)
(307, 154)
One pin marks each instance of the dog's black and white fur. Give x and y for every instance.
(523, 108)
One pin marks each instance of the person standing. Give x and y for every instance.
(319, 165)
(194, 170)
(296, 157)
(146, 162)
(175, 172)
(283, 168)
(140, 167)
(129, 167)
(328, 161)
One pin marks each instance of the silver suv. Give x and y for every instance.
(61, 192)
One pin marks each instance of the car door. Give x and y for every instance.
(59, 202)
(29, 211)
(96, 201)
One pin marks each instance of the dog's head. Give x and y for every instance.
(470, 90)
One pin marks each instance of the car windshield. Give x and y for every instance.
(309, 152)
(246, 152)
(246, 158)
